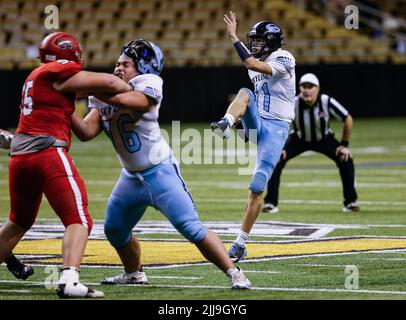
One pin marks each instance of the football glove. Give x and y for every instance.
(5, 139)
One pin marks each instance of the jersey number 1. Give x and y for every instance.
(266, 94)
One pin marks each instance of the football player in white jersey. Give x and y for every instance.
(265, 114)
(150, 174)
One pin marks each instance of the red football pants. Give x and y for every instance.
(49, 171)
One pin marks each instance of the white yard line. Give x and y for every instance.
(243, 185)
(15, 291)
(173, 266)
(228, 287)
(99, 198)
(262, 272)
(318, 265)
(287, 289)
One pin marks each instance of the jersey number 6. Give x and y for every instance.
(130, 138)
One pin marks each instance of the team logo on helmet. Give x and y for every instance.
(65, 44)
(272, 28)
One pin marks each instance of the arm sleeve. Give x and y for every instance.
(93, 102)
(150, 85)
(282, 65)
(336, 109)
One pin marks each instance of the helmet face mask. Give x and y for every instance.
(264, 38)
(147, 57)
(257, 46)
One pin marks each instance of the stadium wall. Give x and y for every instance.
(201, 94)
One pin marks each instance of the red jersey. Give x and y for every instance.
(45, 111)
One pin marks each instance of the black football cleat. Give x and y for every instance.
(17, 268)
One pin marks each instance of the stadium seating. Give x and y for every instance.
(190, 32)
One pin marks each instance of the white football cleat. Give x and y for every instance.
(137, 277)
(221, 128)
(77, 290)
(239, 281)
(270, 208)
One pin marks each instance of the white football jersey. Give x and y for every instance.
(275, 94)
(136, 136)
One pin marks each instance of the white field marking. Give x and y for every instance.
(321, 239)
(318, 265)
(175, 277)
(286, 289)
(323, 202)
(371, 150)
(261, 229)
(321, 184)
(233, 171)
(40, 283)
(392, 259)
(337, 184)
(242, 185)
(202, 169)
(333, 171)
(101, 198)
(259, 223)
(173, 266)
(227, 200)
(321, 255)
(343, 226)
(15, 291)
(32, 283)
(262, 271)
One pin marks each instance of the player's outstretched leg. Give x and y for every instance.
(235, 111)
(17, 268)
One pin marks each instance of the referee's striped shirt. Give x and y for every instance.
(313, 123)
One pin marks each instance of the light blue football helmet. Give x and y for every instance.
(147, 56)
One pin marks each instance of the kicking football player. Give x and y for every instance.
(150, 175)
(39, 160)
(269, 110)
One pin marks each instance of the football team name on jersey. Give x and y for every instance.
(107, 111)
(260, 77)
(284, 59)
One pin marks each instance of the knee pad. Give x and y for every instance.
(117, 235)
(250, 94)
(193, 230)
(258, 182)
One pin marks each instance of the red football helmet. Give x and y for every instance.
(60, 45)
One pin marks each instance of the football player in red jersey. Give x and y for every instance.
(40, 163)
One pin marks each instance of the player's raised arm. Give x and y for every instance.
(87, 128)
(245, 54)
(86, 81)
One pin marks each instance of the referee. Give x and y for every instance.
(311, 131)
